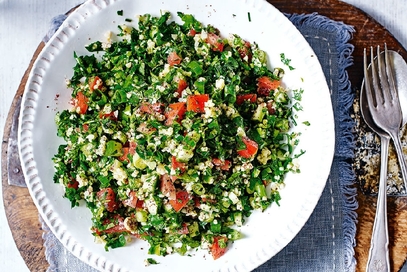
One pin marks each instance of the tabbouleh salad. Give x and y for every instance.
(175, 135)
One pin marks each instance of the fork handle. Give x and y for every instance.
(378, 260)
(400, 156)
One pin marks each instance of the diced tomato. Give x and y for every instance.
(108, 198)
(167, 187)
(240, 98)
(96, 84)
(215, 41)
(73, 184)
(145, 128)
(271, 107)
(184, 229)
(199, 200)
(151, 108)
(197, 102)
(140, 204)
(223, 164)
(81, 103)
(132, 200)
(181, 200)
(175, 112)
(177, 165)
(128, 148)
(182, 85)
(245, 53)
(192, 32)
(124, 156)
(118, 226)
(85, 127)
(173, 59)
(110, 115)
(216, 250)
(250, 150)
(174, 178)
(265, 85)
(146, 108)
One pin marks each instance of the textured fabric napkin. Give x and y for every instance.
(327, 240)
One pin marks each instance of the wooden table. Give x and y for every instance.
(23, 216)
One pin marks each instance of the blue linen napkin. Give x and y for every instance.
(326, 243)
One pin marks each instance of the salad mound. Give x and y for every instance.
(175, 135)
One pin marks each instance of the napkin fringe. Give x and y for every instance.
(345, 141)
(55, 23)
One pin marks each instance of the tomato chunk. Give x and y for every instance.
(146, 128)
(177, 165)
(197, 102)
(241, 98)
(181, 200)
(96, 84)
(167, 187)
(85, 127)
(73, 184)
(218, 247)
(184, 229)
(192, 32)
(250, 150)
(182, 85)
(151, 108)
(118, 226)
(173, 59)
(223, 164)
(266, 84)
(175, 112)
(81, 103)
(132, 200)
(140, 204)
(131, 149)
(245, 52)
(110, 116)
(215, 41)
(108, 198)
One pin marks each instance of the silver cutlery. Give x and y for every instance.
(400, 75)
(385, 112)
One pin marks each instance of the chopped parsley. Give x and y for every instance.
(151, 261)
(286, 61)
(175, 136)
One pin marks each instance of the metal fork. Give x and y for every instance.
(385, 109)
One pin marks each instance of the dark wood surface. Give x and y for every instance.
(23, 216)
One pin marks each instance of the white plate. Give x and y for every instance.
(265, 233)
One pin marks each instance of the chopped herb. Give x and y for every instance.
(152, 261)
(249, 17)
(298, 94)
(128, 20)
(286, 61)
(120, 12)
(307, 123)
